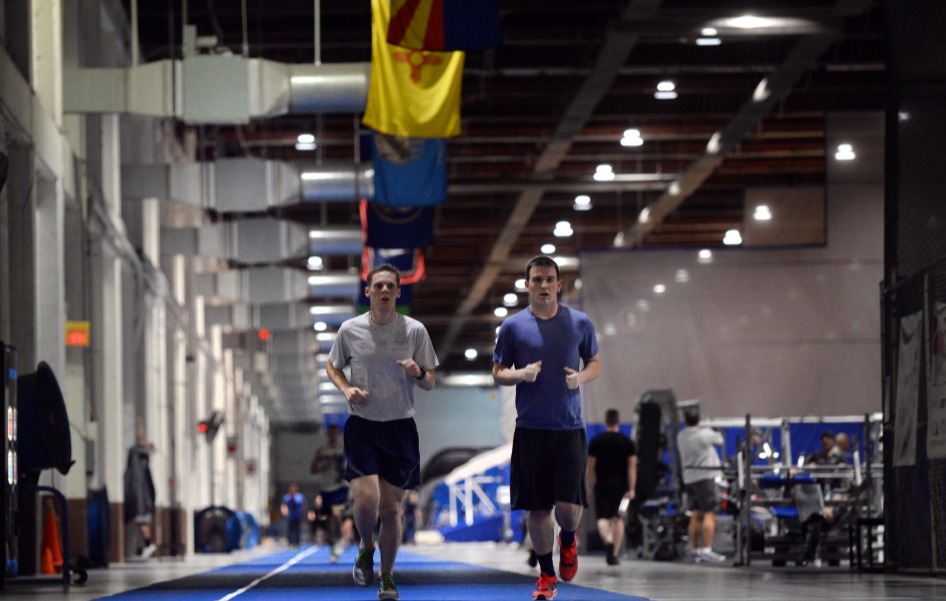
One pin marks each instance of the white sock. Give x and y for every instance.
(707, 549)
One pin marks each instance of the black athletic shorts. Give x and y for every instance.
(608, 496)
(389, 450)
(548, 466)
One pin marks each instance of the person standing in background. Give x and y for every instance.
(139, 490)
(293, 508)
(612, 476)
(700, 462)
(547, 351)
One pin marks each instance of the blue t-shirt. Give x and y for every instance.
(293, 503)
(562, 341)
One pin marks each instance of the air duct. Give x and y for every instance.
(219, 89)
(333, 184)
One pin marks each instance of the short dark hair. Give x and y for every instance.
(827, 434)
(691, 416)
(541, 261)
(385, 267)
(611, 417)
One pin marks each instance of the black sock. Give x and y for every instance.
(567, 538)
(546, 565)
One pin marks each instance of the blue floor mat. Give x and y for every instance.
(307, 573)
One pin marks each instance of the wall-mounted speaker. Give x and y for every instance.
(44, 439)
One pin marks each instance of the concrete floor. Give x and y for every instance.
(658, 581)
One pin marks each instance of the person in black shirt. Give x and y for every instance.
(611, 478)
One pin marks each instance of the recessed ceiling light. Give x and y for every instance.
(762, 213)
(708, 31)
(604, 173)
(521, 284)
(751, 22)
(563, 229)
(704, 256)
(320, 326)
(315, 263)
(660, 289)
(500, 311)
(845, 153)
(547, 249)
(470, 354)
(708, 41)
(306, 139)
(666, 86)
(582, 203)
(732, 238)
(510, 299)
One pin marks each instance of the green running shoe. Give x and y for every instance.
(386, 588)
(363, 572)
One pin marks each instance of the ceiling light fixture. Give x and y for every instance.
(470, 354)
(632, 137)
(751, 22)
(762, 213)
(732, 238)
(315, 264)
(644, 216)
(845, 153)
(521, 284)
(708, 32)
(320, 326)
(666, 90)
(761, 91)
(500, 311)
(547, 249)
(704, 256)
(582, 203)
(604, 173)
(510, 299)
(306, 139)
(712, 147)
(708, 41)
(660, 289)
(563, 229)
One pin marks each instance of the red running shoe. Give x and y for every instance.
(546, 587)
(567, 560)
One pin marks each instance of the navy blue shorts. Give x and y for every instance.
(548, 467)
(390, 450)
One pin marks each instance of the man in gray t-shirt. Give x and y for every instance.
(700, 463)
(387, 354)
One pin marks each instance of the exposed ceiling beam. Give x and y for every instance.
(769, 93)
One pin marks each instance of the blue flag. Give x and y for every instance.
(392, 227)
(409, 172)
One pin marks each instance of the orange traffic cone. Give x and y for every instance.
(46, 565)
(51, 536)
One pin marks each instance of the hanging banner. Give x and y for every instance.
(936, 388)
(908, 390)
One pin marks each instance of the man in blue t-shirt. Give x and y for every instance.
(547, 351)
(293, 504)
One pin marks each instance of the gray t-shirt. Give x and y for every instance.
(697, 450)
(372, 351)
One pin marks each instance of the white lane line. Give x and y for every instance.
(272, 573)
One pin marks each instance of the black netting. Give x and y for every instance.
(916, 504)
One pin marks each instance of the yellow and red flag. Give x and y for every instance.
(444, 24)
(411, 92)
